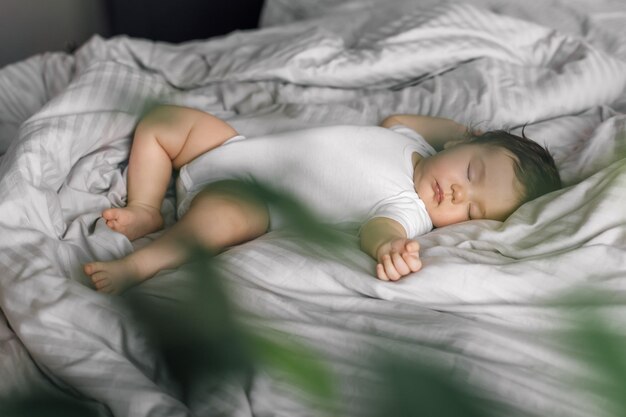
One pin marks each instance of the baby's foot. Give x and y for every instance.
(134, 220)
(112, 277)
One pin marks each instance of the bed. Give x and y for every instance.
(486, 305)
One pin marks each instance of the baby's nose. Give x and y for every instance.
(458, 194)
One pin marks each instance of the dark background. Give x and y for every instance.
(29, 27)
(181, 20)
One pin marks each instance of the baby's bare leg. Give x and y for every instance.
(217, 218)
(168, 137)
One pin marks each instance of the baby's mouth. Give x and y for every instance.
(438, 193)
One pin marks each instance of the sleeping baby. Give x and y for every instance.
(387, 179)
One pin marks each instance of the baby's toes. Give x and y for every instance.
(106, 288)
(100, 278)
(109, 214)
(90, 268)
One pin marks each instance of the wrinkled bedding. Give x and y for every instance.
(481, 304)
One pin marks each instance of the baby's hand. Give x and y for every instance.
(397, 258)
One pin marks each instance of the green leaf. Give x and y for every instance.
(298, 364)
(411, 388)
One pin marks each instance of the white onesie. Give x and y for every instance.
(344, 174)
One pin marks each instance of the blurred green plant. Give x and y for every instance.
(597, 346)
(412, 388)
(201, 335)
(47, 404)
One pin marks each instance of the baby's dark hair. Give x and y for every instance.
(534, 166)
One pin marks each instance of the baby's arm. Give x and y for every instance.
(436, 131)
(385, 240)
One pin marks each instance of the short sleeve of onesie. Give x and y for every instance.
(424, 148)
(405, 208)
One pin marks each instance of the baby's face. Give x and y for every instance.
(466, 182)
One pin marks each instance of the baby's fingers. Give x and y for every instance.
(380, 272)
(394, 266)
(400, 264)
(412, 246)
(413, 261)
(390, 269)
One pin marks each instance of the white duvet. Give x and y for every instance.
(481, 303)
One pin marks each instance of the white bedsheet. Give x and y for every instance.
(480, 303)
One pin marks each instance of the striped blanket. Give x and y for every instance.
(481, 304)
